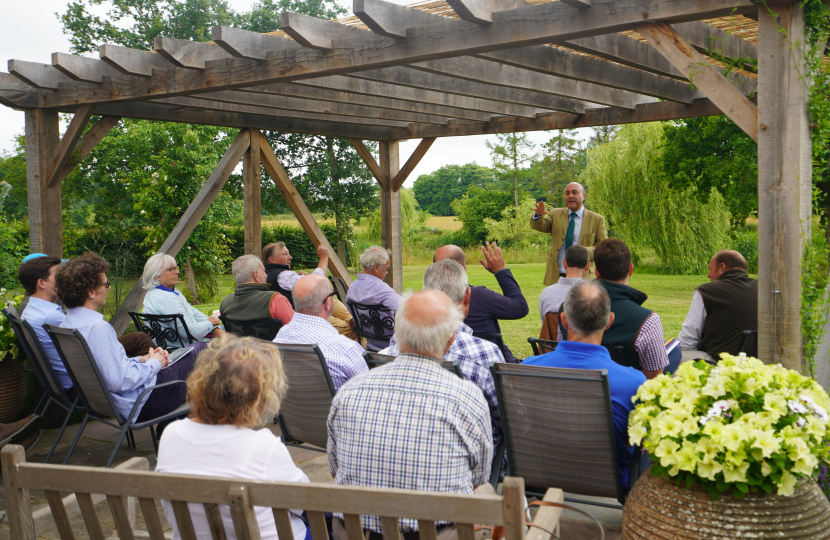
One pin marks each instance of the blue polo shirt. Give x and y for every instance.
(623, 382)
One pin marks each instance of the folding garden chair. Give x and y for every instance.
(265, 329)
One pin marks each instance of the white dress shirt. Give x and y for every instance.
(692, 330)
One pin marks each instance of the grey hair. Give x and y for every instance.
(314, 300)
(154, 267)
(449, 277)
(269, 250)
(588, 308)
(244, 267)
(374, 255)
(431, 336)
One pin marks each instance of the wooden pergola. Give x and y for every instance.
(436, 70)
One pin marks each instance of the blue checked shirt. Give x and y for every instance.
(344, 357)
(125, 377)
(410, 425)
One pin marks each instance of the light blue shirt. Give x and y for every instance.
(39, 312)
(159, 302)
(125, 377)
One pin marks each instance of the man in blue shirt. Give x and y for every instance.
(587, 315)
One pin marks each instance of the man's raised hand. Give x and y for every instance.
(493, 259)
(540, 208)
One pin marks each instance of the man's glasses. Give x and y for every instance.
(332, 293)
(106, 284)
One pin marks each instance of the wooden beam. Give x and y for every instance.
(244, 44)
(68, 144)
(15, 93)
(784, 183)
(45, 221)
(132, 61)
(188, 54)
(252, 200)
(703, 75)
(581, 4)
(81, 68)
(390, 213)
(412, 162)
(37, 75)
(388, 19)
(191, 217)
(95, 134)
(370, 162)
(306, 31)
(627, 51)
(705, 37)
(283, 182)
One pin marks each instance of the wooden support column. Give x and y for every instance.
(784, 182)
(45, 222)
(82, 149)
(68, 143)
(252, 200)
(191, 217)
(390, 212)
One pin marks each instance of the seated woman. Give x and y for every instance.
(161, 275)
(236, 384)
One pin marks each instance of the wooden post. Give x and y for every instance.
(513, 491)
(390, 212)
(784, 182)
(18, 502)
(45, 222)
(251, 198)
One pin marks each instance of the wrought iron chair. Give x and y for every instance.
(495, 339)
(94, 393)
(340, 288)
(164, 329)
(375, 322)
(375, 359)
(542, 346)
(265, 329)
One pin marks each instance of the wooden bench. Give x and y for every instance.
(117, 485)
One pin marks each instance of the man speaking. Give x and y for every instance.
(571, 226)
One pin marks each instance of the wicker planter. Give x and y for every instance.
(12, 389)
(657, 509)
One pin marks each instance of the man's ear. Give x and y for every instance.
(563, 320)
(596, 272)
(449, 344)
(630, 269)
(610, 320)
(565, 264)
(467, 296)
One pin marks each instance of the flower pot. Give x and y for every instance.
(12, 389)
(658, 509)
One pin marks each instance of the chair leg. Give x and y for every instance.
(130, 438)
(39, 401)
(153, 436)
(63, 428)
(77, 438)
(118, 443)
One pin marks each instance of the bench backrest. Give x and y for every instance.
(241, 495)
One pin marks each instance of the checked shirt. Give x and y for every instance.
(409, 424)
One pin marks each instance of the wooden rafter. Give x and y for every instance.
(370, 162)
(412, 162)
(67, 145)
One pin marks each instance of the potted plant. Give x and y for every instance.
(736, 447)
(12, 373)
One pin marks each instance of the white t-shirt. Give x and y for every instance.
(188, 447)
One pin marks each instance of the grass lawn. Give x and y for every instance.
(669, 296)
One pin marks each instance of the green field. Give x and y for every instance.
(669, 296)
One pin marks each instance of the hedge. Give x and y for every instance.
(299, 246)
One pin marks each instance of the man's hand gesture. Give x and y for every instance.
(540, 208)
(493, 259)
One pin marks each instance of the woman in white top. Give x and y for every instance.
(236, 383)
(160, 277)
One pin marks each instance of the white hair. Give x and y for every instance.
(449, 277)
(244, 267)
(314, 300)
(374, 255)
(154, 267)
(426, 336)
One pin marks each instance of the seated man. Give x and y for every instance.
(37, 275)
(587, 315)
(721, 309)
(486, 306)
(253, 299)
(426, 428)
(474, 355)
(313, 300)
(369, 287)
(576, 265)
(82, 287)
(282, 279)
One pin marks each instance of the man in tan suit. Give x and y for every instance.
(569, 226)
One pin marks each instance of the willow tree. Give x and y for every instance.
(626, 184)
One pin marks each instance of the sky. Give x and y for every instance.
(32, 32)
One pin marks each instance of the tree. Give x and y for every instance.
(560, 164)
(13, 172)
(510, 157)
(513, 229)
(413, 219)
(475, 206)
(436, 191)
(602, 135)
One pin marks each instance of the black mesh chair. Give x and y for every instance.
(542, 346)
(375, 322)
(340, 288)
(559, 428)
(265, 329)
(375, 359)
(304, 410)
(166, 330)
(94, 393)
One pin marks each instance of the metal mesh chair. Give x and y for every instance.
(339, 288)
(265, 329)
(542, 346)
(559, 428)
(304, 410)
(375, 322)
(166, 330)
(375, 359)
(93, 391)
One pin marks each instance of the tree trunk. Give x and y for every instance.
(190, 279)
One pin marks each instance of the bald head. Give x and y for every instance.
(426, 322)
(725, 260)
(311, 296)
(451, 252)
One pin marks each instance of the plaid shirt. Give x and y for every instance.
(410, 425)
(344, 357)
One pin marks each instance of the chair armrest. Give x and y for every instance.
(547, 517)
(147, 391)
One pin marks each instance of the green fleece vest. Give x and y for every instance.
(629, 316)
(248, 302)
(731, 303)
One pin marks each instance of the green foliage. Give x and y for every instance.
(14, 245)
(814, 280)
(625, 184)
(745, 242)
(436, 191)
(13, 172)
(560, 165)
(303, 252)
(513, 229)
(511, 157)
(413, 219)
(475, 206)
(713, 153)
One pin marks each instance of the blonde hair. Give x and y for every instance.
(236, 381)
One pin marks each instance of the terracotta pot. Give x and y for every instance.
(12, 389)
(657, 509)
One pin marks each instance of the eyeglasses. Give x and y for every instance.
(106, 284)
(173, 269)
(332, 293)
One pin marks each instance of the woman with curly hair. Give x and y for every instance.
(236, 385)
